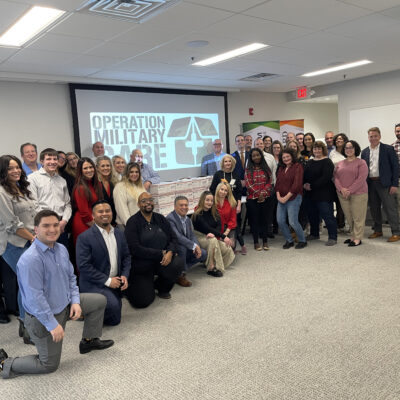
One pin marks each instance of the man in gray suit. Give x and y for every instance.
(210, 163)
(188, 246)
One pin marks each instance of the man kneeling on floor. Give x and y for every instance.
(50, 297)
(188, 245)
(104, 261)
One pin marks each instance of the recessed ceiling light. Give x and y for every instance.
(231, 54)
(338, 68)
(197, 43)
(29, 25)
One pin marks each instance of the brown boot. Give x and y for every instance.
(183, 281)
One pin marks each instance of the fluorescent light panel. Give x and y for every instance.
(338, 68)
(231, 54)
(29, 25)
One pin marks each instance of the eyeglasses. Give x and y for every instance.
(149, 200)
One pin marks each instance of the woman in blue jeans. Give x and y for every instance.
(17, 211)
(320, 193)
(289, 189)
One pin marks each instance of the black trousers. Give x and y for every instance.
(142, 285)
(260, 215)
(8, 280)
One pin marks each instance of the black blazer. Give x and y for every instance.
(388, 164)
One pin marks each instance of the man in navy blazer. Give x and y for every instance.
(241, 156)
(188, 246)
(104, 261)
(383, 181)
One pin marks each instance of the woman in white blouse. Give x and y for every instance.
(126, 194)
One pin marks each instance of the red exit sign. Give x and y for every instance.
(301, 92)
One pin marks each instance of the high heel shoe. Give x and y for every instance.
(353, 244)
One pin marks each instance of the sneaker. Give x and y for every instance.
(288, 245)
(312, 237)
(215, 272)
(265, 246)
(301, 245)
(330, 242)
(243, 251)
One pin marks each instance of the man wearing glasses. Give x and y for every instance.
(153, 246)
(210, 163)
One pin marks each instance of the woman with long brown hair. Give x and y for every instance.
(87, 190)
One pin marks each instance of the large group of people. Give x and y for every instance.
(81, 233)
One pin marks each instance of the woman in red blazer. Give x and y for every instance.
(87, 190)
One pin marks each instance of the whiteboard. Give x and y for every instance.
(384, 117)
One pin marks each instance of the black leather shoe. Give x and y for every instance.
(301, 245)
(215, 272)
(4, 319)
(347, 241)
(353, 244)
(3, 357)
(288, 245)
(94, 344)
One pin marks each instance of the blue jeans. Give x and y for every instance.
(290, 210)
(11, 257)
(321, 209)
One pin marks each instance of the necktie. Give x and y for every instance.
(242, 158)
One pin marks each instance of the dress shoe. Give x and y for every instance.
(86, 346)
(20, 327)
(183, 281)
(354, 244)
(287, 245)
(394, 238)
(243, 250)
(375, 235)
(300, 245)
(347, 241)
(312, 237)
(3, 357)
(165, 296)
(4, 319)
(257, 247)
(215, 272)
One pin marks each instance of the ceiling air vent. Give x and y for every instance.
(263, 76)
(130, 10)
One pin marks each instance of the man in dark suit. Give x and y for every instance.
(104, 261)
(241, 156)
(188, 246)
(383, 180)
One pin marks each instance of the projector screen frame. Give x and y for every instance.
(82, 86)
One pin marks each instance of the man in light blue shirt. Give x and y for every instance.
(210, 163)
(50, 297)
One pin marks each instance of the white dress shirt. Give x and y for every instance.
(112, 248)
(51, 192)
(374, 161)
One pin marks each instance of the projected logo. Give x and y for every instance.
(192, 136)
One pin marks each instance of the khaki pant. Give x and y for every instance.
(355, 210)
(219, 254)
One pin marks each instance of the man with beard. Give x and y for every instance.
(154, 247)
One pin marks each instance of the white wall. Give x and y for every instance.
(318, 118)
(35, 112)
(370, 92)
(41, 113)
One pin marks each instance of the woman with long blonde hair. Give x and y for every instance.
(127, 192)
(208, 229)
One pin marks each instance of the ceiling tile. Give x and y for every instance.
(91, 26)
(85, 61)
(69, 44)
(6, 52)
(33, 56)
(373, 4)
(228, 5)
(66, 5)
(315, 14)
(251, 29)
(118, 50)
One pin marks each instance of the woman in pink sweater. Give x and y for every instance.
(350, 178)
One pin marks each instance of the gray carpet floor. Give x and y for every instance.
(317, 323)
